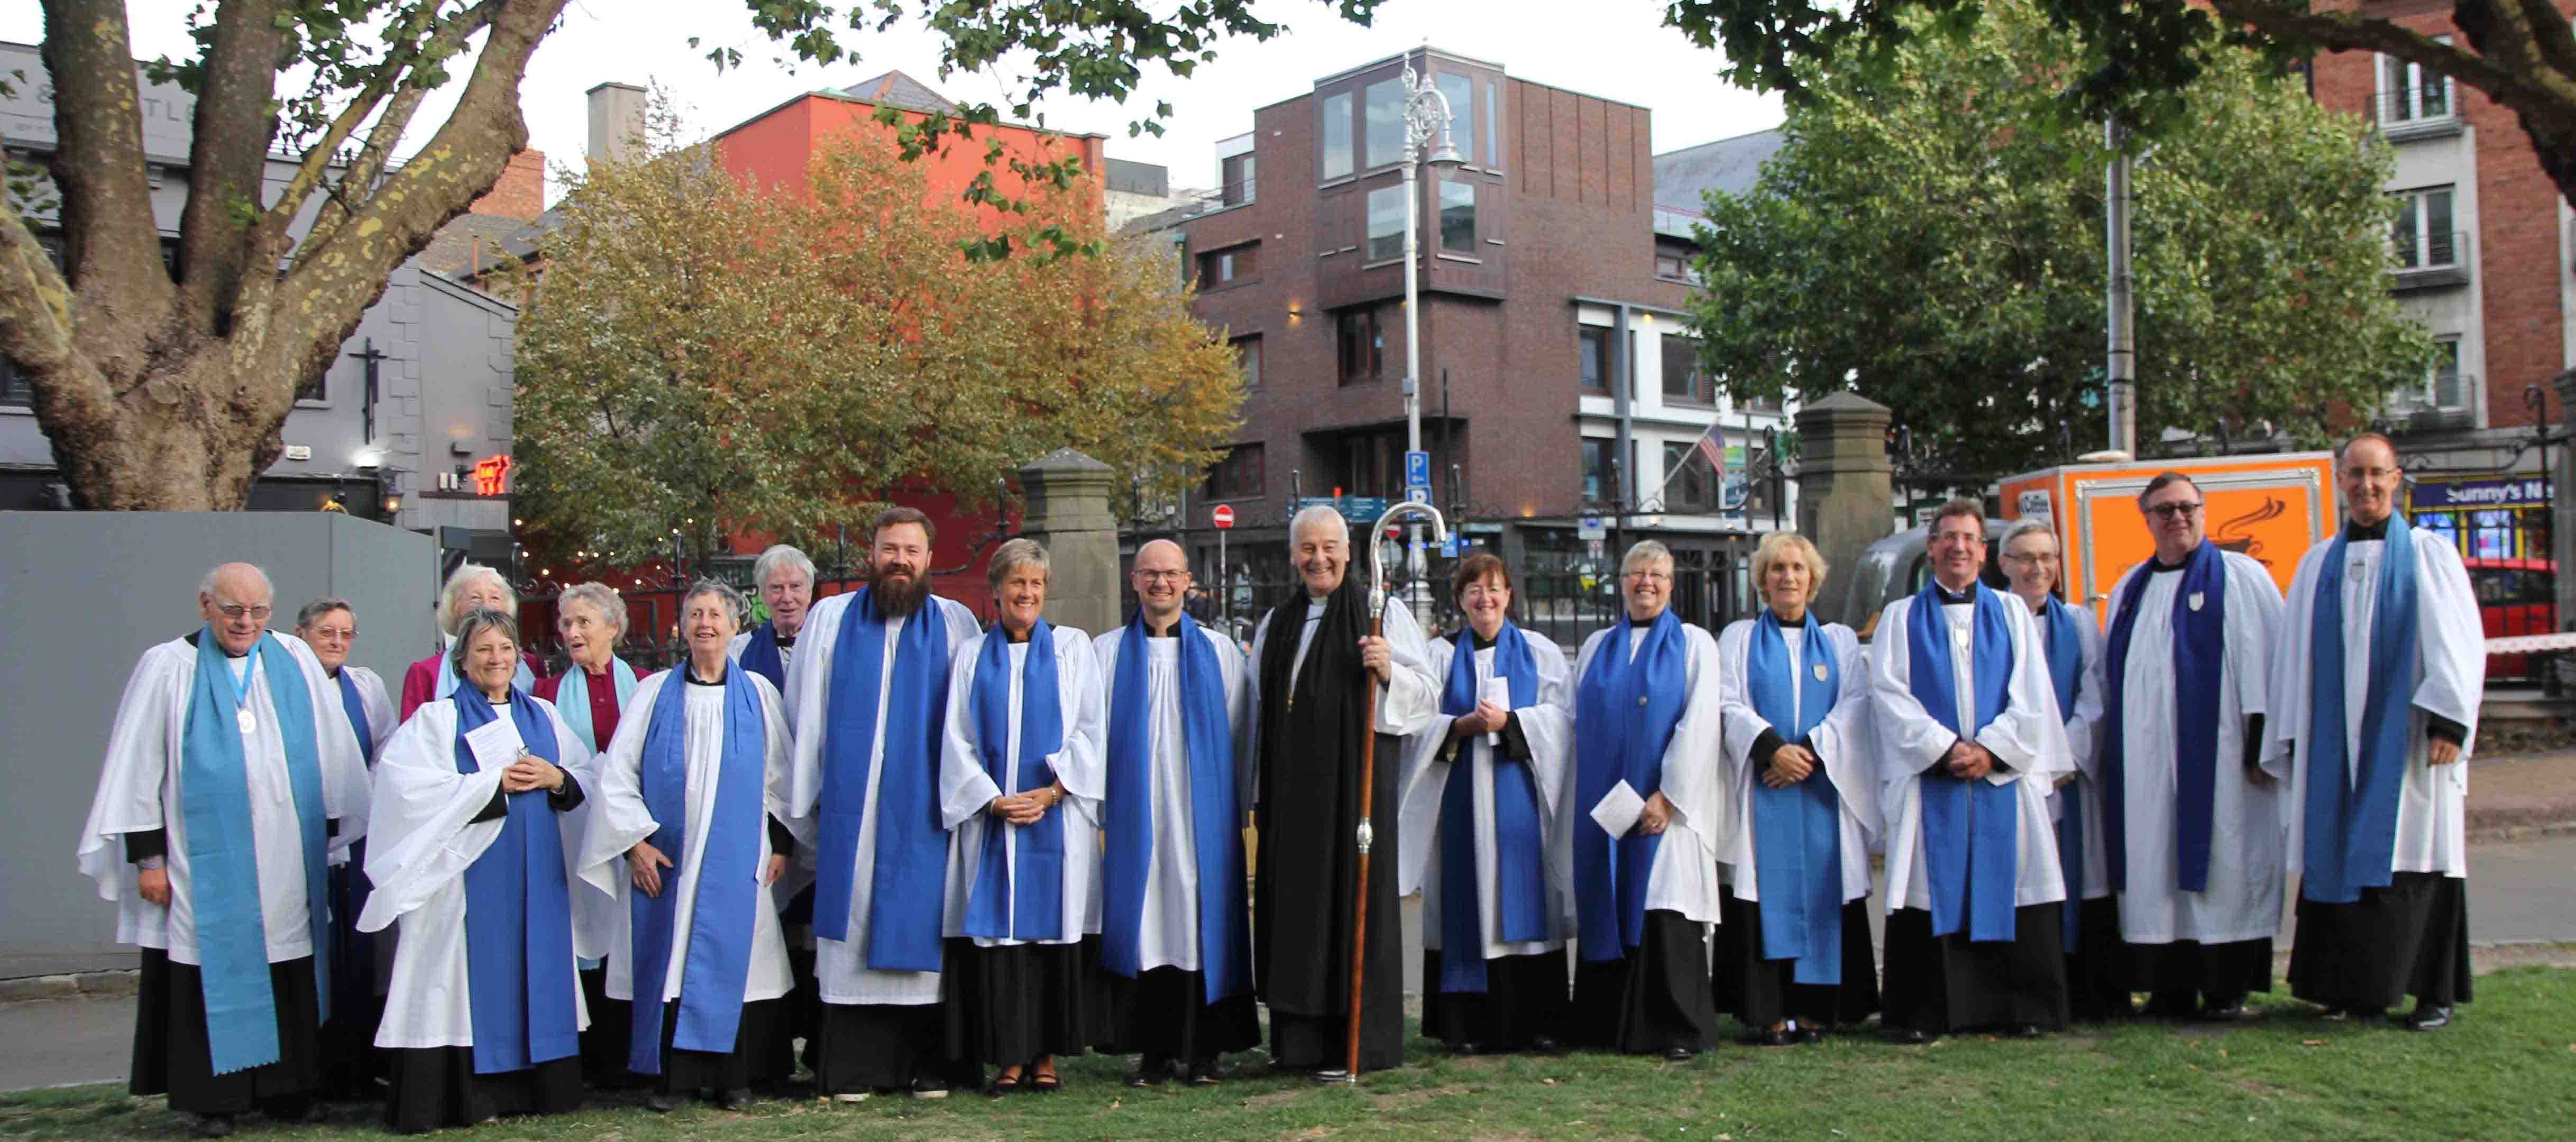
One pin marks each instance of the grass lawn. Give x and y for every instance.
(2506, 1070)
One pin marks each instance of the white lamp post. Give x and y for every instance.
(1426, 118)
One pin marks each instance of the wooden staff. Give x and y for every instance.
(1368, 786)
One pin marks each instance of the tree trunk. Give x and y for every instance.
(184, 433)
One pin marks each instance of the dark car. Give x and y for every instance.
(2515, 597)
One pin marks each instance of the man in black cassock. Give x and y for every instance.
(1311, 659)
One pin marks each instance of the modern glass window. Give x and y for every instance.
(2422, 238)
(1592, 346)
(2408, 93)
(1684, 381)
(1238, 476)
(1363, 346)
(1385, 224)
(1491, 123)
(1458, 217)
(1239, 183)
(1384, 105)
(1460, 91)
(1229, 265)
(1336, 135)
(1247, 360)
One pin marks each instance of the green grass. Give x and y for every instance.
(2506, 1070)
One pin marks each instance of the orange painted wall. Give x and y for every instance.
(773, 149)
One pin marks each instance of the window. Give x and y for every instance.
(1385, 224)
(314, 388)
(1684, 381)
(1363, 346)
(1247, 360)
(1238, 176)
(1596, 468)
(1384, 105)
(1372, 464)
(1458, 218)
(1337, 136)
(1690, 484)
(2422, 238)
(2442, 389)
(2408, 93)
(1493, 115)
(1238, 476)
(1229, 265)
(1460, 92)
(1592, 345)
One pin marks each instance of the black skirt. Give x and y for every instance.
(1524, 1000)
(1953, 983)
(2222, 973)
(1760, 992)
(436, 1087)
(882, 1047)
(171, 1056)
(604, 1044)
(2099, 969)
(1163, 1013)
(351, 1062)
(1655, 998)
(2410, 938)
(752, 1060)
(1011, 1005)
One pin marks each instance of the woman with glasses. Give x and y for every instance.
(360, 963)
(474, 587)
(1648, 817)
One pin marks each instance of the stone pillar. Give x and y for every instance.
(1845, 489)
(2562, 499)
(1068, 511)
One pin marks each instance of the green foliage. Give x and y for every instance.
(1924, 241)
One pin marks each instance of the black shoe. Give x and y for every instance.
(2427, 1017)
(1468, 1048)
(1206, 1072)
(211, 1126)
(739, 1098)
(1911, 1037)
(1679, 1054)
(1150, 1071)
(2172, 1005)
(661, 1102)
(2021, 1030)
(1543, 1045)
(929, 1086)
(2225, 1011)
(1768, 1037)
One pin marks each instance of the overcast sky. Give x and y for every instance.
(1614, 49)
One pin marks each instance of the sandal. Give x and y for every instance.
(1044, 1080)
(1006, 1082)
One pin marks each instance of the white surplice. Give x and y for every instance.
(840, 966)
(1684, 876)
(1080, 766)
(1841, 743)
(378, 703)
(139, 791)
(2083, 743)
(2448, 677)
(2028, 738)
(2243, 901)
(1430, 764)
(422, 839)
(1168, 922)
(1407, 702)
(618, 819)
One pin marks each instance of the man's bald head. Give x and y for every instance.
(1162, 581)
(235, 599)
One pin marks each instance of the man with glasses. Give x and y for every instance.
(2193, 821)
(230, 780)
(1970, 743)
(2376, 708)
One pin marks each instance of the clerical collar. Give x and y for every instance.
(2366, 532)
(1172, 631)
(1478, 641)
(783, 640)
(691, 673)
(2157, 566)
(1954, 598)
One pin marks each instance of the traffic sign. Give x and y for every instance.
(1418, 494)
(1224, 515)
(1449, 546)
(1417, 469)
(1590, 528)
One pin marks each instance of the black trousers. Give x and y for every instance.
(1654, 998)
(2410, 938)
(1951, 983)
(1760, 992)
(436, 1087)
(1163, 1014)
(170, 1042)
(1524, 1000)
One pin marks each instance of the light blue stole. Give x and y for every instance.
(572, 699)
(2350, 841)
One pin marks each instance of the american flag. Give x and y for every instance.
(1712, 446)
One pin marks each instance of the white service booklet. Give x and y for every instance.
(496, 743)
(1497, 690)
(1619, 809)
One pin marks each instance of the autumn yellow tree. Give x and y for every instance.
(700, 355)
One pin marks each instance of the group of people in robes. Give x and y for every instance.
(944, 855)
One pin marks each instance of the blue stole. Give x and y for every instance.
(728, 883)
(356, 708)
(760, 656)
(572, 699)
(518, 913)
(1225, 941)
(910, 866)
(1797, 830)
(446, 687)
(2351, 837)
(223, 882)
(1519, 843)
(353, 883)
(1030, 904)
(2066, 672)
(1970, 828)
(2199, 660)
(1628, 708)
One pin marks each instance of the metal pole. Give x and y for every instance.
(2122, 367)
(1225, 584)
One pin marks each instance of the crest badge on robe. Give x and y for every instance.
(1820, 672)
(2197, 598)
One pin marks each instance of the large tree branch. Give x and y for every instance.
(2346, 31)
(402, 57)
(228, 157)
(120, 290)
(381, 139)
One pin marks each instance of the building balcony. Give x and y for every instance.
(2431, 262)
(2406, 114)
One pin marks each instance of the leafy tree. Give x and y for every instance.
(2137, 58)
(164, 389)
(1917, 242)
(703, 357)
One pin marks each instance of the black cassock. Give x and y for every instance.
(1308, 819)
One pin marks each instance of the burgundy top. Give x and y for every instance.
(603, 701)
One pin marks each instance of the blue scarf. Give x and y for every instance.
(728, 881)
(2066, 672)
(1026, 901)
(572, 699)
(1970, 828)
(518, 913)
(910, 866)
(2351, 837)
(1797, 830)
(1520, 879)
(2199, 661)
(1207, 740)
(760, 656)
(223, 883)
(1628, 708)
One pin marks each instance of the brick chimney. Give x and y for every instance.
(521, 192)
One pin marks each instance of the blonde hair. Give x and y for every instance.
(1643, 550)
(455, 590)
(1770, 550)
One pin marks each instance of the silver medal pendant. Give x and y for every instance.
(2197, 598)
(1820, 672)
(248, 723)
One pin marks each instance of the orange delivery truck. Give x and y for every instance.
(2271, 507)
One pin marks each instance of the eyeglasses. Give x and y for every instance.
(335, 633)
(2033, 557)
(238, 611)
(2368, 473)
(1648, 577)
(1162, 576)
(2169, 511)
